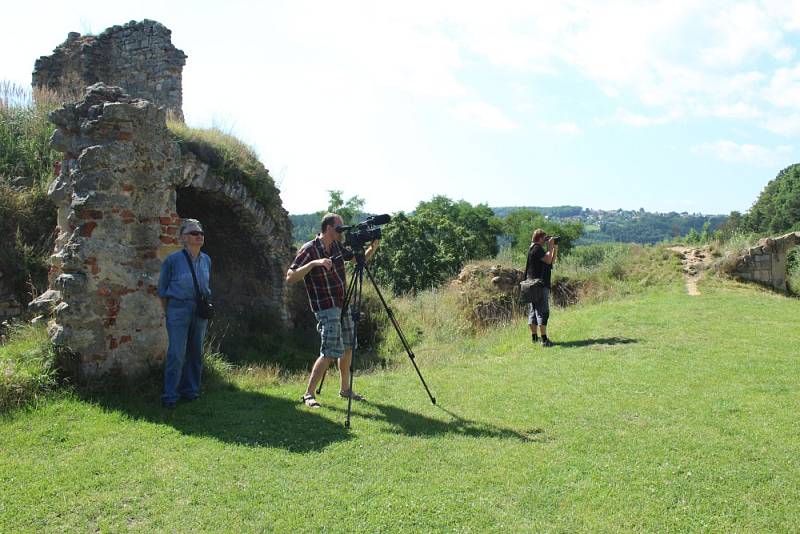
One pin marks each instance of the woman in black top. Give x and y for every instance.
(540, 265)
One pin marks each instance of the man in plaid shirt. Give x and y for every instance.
(320, 264)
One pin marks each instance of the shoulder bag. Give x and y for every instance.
(530, 289)
(205, 309)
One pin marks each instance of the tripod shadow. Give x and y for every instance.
(598, 341)
(413, 424)
(232, 415)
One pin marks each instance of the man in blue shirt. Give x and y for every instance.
(186, 330)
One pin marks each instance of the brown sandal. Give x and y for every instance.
(310, 401)
(348, 394)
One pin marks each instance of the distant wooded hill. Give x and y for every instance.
(600, 226)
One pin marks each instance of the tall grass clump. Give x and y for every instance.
(25, 133)
(229, 158)
(602, 272)
(27, 217)
(739, 242)
(27, 366)
(434, 317)
(592, 273)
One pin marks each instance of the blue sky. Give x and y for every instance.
(670, 106)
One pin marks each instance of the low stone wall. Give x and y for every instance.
(766, 263)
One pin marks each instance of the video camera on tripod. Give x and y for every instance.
(360, 234)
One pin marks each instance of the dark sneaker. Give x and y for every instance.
(534, 338)
(547, 343)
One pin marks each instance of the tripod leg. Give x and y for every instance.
(399, 331)
(358, 278)
(347, 297)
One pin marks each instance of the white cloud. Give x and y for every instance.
(676, 57)
(743, 30)
(732, 152)
(567, 128)
(784, 88)
(738, 110)
(788, 125)
(483, 115)
(638, 120)
(788, 11)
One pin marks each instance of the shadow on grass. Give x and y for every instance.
(236, 416)
(413, 424)
(598, 341)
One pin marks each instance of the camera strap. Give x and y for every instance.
(528, 261)
(194, 276)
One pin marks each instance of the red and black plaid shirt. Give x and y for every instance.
(325, 288)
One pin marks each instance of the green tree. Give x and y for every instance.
(481, 228)
(777, 208)
(349, 210)
(732, 224)
(407, 261)
(427, 248)
(705, 234)
(519, 227)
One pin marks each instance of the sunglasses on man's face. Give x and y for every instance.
(195, 233)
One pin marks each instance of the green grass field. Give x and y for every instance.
(660, 412)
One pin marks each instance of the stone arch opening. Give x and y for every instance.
(243, 276)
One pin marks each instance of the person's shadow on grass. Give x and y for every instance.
(413, 424)
(596, 341)
(233, 415)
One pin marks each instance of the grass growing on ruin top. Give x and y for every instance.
(229, 158)
(657, 412)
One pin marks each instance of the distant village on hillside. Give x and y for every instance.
(600, 226)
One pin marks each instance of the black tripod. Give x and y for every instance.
(352, 300)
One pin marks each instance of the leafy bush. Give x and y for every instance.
(423, 250)
(27, 366)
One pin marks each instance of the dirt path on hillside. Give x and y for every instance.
(694, 260)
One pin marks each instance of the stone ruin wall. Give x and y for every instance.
(121, 193)
(767, 262)
(122, 189)
(139, 57)
(115, 199)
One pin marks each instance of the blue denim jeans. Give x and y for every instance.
(184, 363)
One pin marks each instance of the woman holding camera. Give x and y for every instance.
(540, 265)
(186, 330)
